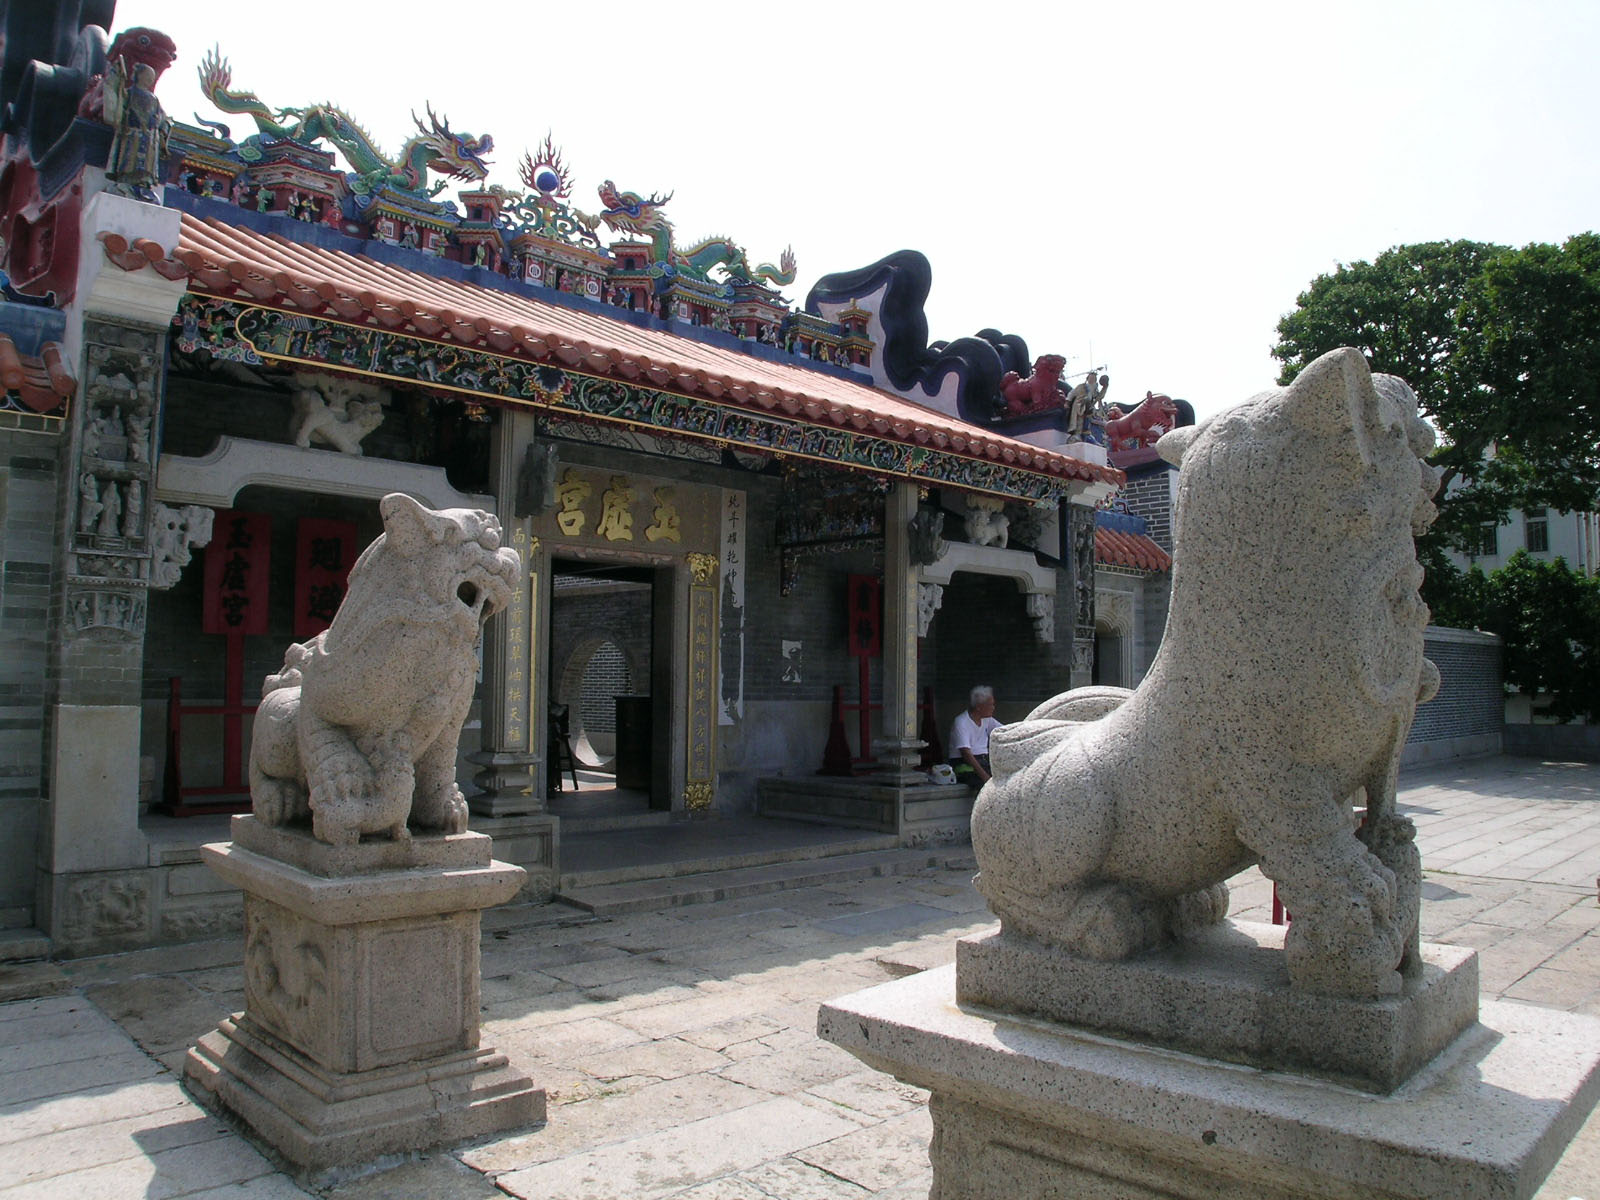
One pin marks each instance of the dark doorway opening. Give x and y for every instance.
(605, 661)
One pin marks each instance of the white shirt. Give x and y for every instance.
(967, 734)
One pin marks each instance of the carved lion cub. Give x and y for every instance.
(359, 729)
(1285, 686)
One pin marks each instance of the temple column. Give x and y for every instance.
(510, 805)
(93, 892)
(901, 747)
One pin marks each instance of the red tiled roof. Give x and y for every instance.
(1115, 548)
(267, 269)
(42, 383)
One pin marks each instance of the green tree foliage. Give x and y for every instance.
(1503, 348)
(1549, 616)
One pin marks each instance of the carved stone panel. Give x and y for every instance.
(116, 437)
(174, 533)
(286, 976)
(105, 610)
(99, 907)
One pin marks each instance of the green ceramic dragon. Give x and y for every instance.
(629, 212)
(434, 147)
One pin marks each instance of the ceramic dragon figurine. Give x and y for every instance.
(629, 212)
(435, 146)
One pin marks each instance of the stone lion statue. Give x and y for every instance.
(335, 411)
(358, 731)
(1282, 694)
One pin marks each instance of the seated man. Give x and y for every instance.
(969, 738)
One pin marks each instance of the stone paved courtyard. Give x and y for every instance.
(678, 1047)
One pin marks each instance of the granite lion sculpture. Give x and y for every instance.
(359, 729)
(1282, 694)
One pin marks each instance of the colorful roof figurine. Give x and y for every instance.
(434, 147)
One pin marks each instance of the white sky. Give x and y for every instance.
(1146, 186)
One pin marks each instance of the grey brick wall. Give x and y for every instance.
(813, 613)
(980, 615)
(577, 619)
(1467, 715)
(1148, 494)
(29, 469)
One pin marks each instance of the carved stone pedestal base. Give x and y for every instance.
(509, 781)
(897, 762)
(1224, 993)
(360, 1031)
(1027, 1107)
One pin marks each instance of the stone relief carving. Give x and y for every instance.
(115, 447)
(109, 524)
(190, 924)
(987, 524)
(105, 906)
(106, 566)
(285, 975)
(88, 502)
(1284, 690)
(929, 597)
(1083, 571)
(1082, 656)
(1114, 610)
(175, 532)
(115, 610)
(1042, 608)
(358, 732)
(334, 411)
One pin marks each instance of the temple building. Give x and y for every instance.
(761, 539)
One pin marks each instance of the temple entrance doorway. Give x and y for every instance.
(610, 658)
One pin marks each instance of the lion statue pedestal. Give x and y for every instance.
(1116, 1035)
(363, 889)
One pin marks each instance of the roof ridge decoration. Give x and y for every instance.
(543, 210)
(987, 379)
(629, 212)
(434, 147)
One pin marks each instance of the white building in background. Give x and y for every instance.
(1544, 534)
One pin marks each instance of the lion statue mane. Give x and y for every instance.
(359, 729)
(1282, 695)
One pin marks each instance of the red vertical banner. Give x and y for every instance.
(866, 616)
(323, 553)
(237, 562)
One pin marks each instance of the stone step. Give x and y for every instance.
(646, 895)
(696, 848)
(20, 945)
(574, 826)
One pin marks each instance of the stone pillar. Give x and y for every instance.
(510, 804)
(901, 747)
(510, 778)
(94, 893)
